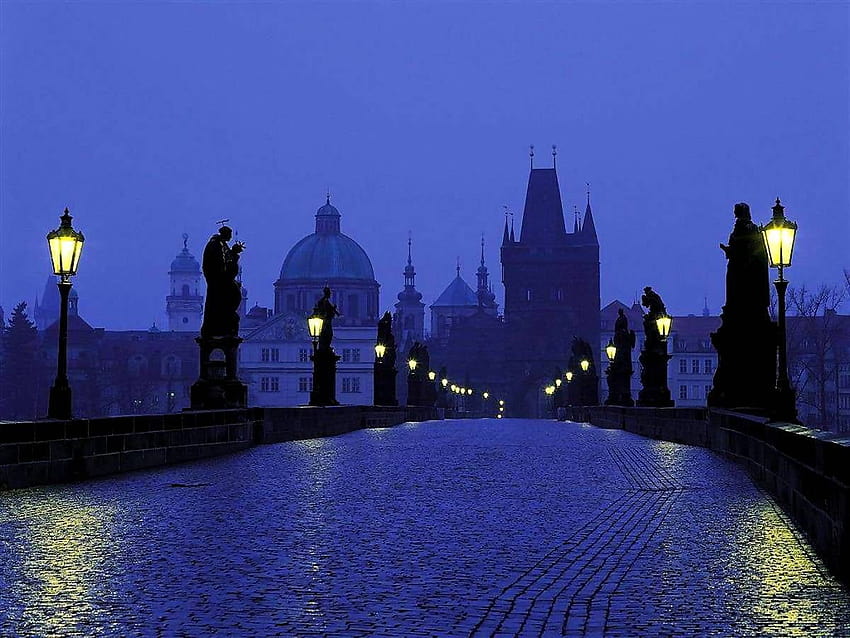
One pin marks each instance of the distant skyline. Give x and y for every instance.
(153, 119)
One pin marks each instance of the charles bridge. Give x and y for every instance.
(355, 521)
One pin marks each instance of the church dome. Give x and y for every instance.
(327, 254)
(185, 261)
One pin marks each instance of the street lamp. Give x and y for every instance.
(432, 375)
(486, 395)
(314, 325)
(444, 382)
(779, 236)
(663, 323)
(66, 245)
(585, 364)
(412, 363)
(380, 349)
(611, 350)
(569, 375)
(558, 382)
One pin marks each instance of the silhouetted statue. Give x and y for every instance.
(653, 358)
(220, 267)
(746, 340)
(584, 387)
(386, 337)
(620, 369)
(327, 311)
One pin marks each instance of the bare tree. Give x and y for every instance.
(815, 332)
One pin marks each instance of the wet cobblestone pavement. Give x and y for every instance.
(455, 528)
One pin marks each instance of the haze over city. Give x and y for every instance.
(153, 119)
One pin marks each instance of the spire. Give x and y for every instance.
(554, 156)
(409, 272)
(575, 219)
(531, 155)
(458, 266)
(506, 238)
(588, 227)
(482, 249)
(705, 311)
(543, 215)
(512, 237)
(486, 299)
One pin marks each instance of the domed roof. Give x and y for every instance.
(185, 261)
(327, 254)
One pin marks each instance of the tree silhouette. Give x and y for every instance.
(21, 370)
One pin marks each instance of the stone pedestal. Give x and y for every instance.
(653, 376)
(324, 377)
(218, 386)
(385, 384)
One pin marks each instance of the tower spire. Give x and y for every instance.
(506, 238)
(588, 227)
(575, 222)
(457, 268)
(531, 155)
(409, 241)
(554, 156)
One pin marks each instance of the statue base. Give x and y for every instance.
(218, 386)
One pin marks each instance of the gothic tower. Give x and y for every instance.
(185, 305)
(409, 321)
(485, 294)
(551, 280)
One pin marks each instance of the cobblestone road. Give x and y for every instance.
(455, 528)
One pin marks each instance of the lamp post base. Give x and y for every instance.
(59, 406)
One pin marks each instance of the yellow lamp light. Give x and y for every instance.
(550, 389)
(453, 388)
(569, 375)
(779, 236)
(431, 375)
(412, 363)
(486, 395)
(558, 383)
(611, 350)
(501, 402)
(66, 245)
(314, 325)
(444, 382)
(469, 391)
(380, 349)
(585, 364)
(664, 322)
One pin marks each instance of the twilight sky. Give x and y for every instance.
(150, 119)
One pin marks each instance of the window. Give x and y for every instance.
(303, 355)
(351, 384)
(346, 355)
(683, 366)
(264, 384)
(350, 355)
(528, 294)
(275, 384)
(264, 355)
(844, 401)
(708, 366)
(305, 384)
(275, 354)
(683, 392)
(694, 366)
(185, 290)
(844, 381)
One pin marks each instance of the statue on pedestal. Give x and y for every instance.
(385, 371)
(654, 358)
(620, 369)
(746, 340)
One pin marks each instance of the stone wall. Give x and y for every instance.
(807, 471)
(42, 452)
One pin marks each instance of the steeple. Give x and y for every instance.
(327, 218)
(543, 216)
(409, 272)
(409, 321)
(506, 238)
(588, 228)
(486, 298)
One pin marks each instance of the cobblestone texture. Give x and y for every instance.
(456, 528)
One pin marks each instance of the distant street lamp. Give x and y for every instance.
(486, 395)
(432, 375)
(569, 375)
(664, 323)
(66, 245)
(779, 236)
(380, 349)
(412, 363)
(611, 350)
(585, 364)
(444, 382)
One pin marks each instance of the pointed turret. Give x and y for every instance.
(486, 298)
(588, 228)
(409, 322)
(543, 216)
(506, 238)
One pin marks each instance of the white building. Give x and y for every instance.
(275, 356)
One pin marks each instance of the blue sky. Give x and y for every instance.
(154, 119)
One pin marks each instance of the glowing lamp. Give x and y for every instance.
(314, 325)
(453, 388)
(550, 389)
(412, 363)
(779, 235)
(486, 395)
(585, 364)
(431, 375)
(569, 375)
(65, 245)
(558, 383)
(611, 350)
(663, 323)
(501, 402)
(444, 382)
(380, 349)
(469, 391)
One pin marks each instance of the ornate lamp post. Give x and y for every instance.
(314, 326)
(654, 358)
(66, 245)
(779, 236)
(611, 351)
(585, 364)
